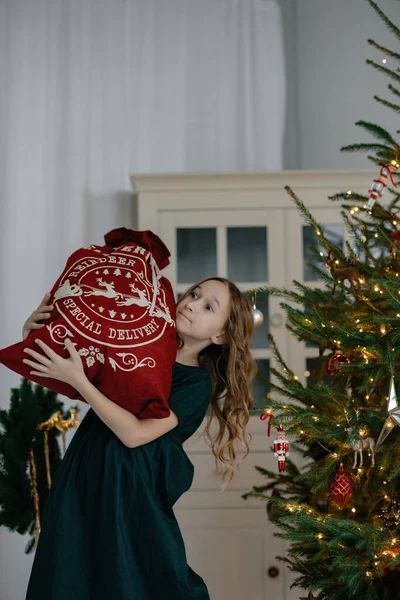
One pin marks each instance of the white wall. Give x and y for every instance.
(335, 85)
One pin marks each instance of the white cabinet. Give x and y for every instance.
(244, 227)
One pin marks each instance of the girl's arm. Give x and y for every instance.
(129, 429)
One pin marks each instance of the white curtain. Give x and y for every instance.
(93, 90)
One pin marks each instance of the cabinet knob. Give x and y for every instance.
(276, 320)
(273, 572)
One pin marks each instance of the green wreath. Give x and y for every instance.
(23, 473)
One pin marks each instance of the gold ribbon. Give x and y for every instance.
(35, 494)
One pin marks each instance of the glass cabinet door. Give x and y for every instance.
(244, 246)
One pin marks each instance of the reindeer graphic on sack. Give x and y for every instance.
(119, 311)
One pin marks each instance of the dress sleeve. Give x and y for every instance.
(190, 401)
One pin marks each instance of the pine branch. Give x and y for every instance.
(365, 147)
(377, 132)
(385, 19)
(392, 74)
(384, 50)
(395, 107)
(393, 89)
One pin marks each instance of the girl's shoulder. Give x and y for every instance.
(189, 375)
(190, 395)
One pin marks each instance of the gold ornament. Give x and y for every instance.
(65, 425)
(258, 317)
(45, 427)
(35, 495)
(393, 417)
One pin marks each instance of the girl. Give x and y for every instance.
(109, 530)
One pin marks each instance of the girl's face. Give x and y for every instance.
(203, 314)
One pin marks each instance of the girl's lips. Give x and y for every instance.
(183, 315)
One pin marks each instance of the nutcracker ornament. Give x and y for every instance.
(378, 185)
(281, 448)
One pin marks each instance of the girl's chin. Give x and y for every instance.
(181, 320)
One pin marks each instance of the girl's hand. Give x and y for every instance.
(41, 313)
(69, 370)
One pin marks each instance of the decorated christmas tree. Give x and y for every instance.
(339, 506)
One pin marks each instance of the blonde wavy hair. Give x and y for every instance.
(232, 368)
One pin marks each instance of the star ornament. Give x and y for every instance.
(393, 417)
(309, 597)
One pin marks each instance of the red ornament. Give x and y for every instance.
(395, 242)
(391, 579)
(270, 416)
(281, 449)
(341, 488)
(378, 185)
(337, 359)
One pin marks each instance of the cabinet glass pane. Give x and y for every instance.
(259, 339)
(260, 386)
(247, 254)
(334, 233)
(196, 254)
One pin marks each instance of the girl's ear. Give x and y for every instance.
(219, 339)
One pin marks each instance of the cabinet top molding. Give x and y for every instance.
(335, 180)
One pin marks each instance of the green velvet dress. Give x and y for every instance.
(109, 531)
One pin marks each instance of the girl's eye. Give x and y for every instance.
(193, 294)
(209, 307)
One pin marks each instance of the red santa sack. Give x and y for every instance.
(118, 310)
